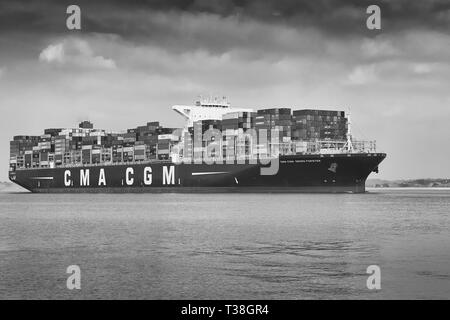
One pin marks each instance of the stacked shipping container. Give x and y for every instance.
(86, 145)
(319, 125)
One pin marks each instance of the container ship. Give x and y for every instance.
(220, 149)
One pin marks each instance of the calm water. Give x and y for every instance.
(227, 246)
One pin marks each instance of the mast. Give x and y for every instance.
(349, 143)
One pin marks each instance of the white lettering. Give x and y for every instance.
(84, 177)
(168, 176)
(101, 177)
(194, 310)
(67, 180)
(147, 176)
(129, 180)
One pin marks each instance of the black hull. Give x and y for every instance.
(300, 173)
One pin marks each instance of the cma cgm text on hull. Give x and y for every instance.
(220, 149)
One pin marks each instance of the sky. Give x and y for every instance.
(133, 60)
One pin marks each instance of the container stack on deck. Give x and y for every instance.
(231, 142)
(234, 125)
(21, 150)
(319, 124)
(86, 145)
(280, 120)
(275, 119)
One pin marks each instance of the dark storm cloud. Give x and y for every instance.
(336, 17)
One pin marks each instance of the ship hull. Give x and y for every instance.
(289, 174)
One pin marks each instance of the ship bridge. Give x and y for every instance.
(207, 109)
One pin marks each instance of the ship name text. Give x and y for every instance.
(129, 178)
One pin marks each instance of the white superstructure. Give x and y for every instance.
(211, 108)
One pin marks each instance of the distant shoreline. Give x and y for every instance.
(408, 188)
(410, 183)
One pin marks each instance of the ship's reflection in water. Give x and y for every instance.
(228, 246)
